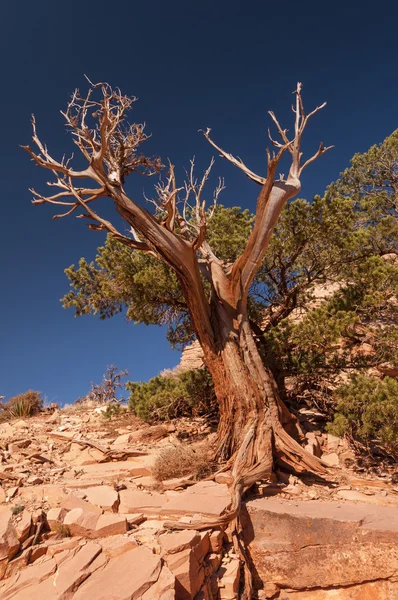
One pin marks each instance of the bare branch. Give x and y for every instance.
(282, 133)
(235, 161)
(274, 195)
(103, 224)
(321, 150)
(44, 159)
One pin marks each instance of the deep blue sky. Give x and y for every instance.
(219, 64)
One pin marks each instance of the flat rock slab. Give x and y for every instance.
(127, 576)
(206, 497)
(134, 501)
(304, 545)
(104, 496)
(108, 471)
(373, 590)
(52, 494)
(91, 525)
(369, 516)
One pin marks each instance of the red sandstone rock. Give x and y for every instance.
(104, 496)
(206, 497)
(126, 577)
(322, 544)
(116, 545)
(23, 526)
(228, 579)
(110, 524)
(188, 573)
(163, 589)
(216, 540)
(9, 543)
(171, 543)
(55, 517)
(132, 501)
(81, 522)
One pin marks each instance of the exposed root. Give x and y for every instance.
(254, 462)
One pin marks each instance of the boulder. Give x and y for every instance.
(216, 540)
(81, 522)
(79, 456)
(107, 472)
(73, 501)
(122, 441)
(309, 545)
(91, 525)
(171, 543)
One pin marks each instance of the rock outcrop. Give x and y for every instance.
(100, 529)
(320, 550)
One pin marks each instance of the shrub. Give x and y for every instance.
(176, 394)
(367, 411)
(24, 405)
(62, 531)
(113, 411)
(17, 509)
(180, 461)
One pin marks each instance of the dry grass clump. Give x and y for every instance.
(24, 405)
(62, 531)
(181, 461)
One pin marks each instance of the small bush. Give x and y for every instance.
(113, 411)
(62, 531)
(367, 411)
(179, 461)
(189, 393)
(24, 405)
(17, 509)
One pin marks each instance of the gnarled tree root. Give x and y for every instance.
(245, 474)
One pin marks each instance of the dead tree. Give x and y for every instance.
(106, 391)
(251, 432)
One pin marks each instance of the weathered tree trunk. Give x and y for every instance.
(251, 412)
(251, 432)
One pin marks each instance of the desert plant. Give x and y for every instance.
(173, 395)
(23, 405)
(179, 461)
(113, 411)
(107, 390)
(62, 531)
(367, 411)
(17, 509)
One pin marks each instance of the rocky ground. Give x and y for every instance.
(82, 517)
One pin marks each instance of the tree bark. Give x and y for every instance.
(255, 427)
(250, 407)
